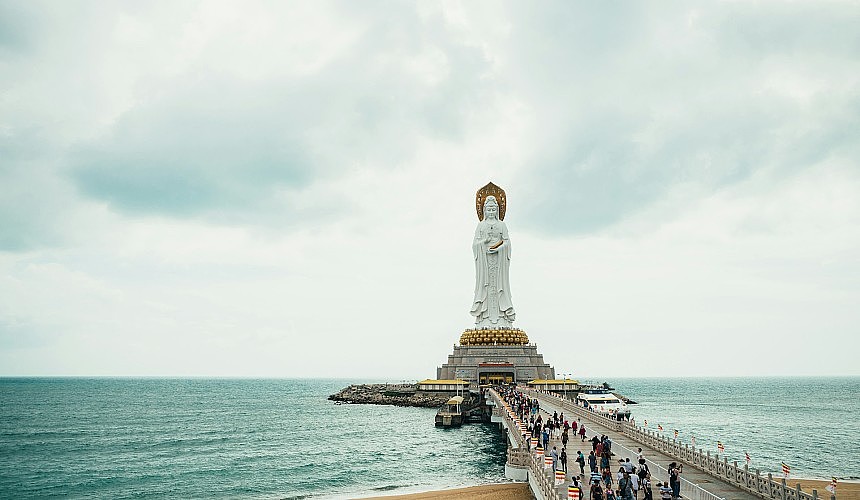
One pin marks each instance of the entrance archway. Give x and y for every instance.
(496, 378)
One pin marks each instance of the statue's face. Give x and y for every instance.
(491, 212)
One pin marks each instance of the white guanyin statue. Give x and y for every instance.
(492, 307)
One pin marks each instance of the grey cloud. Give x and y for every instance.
(209, 145)
(220, 143)
(628, 120)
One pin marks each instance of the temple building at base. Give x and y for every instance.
(495, 357)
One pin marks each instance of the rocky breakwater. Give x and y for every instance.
(389, 394)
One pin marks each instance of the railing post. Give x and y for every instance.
(783, 493)
(770, 484)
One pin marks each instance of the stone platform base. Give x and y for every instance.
(481, 364)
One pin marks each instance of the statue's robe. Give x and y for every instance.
(482, 308)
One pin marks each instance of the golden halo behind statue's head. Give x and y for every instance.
(490, 190)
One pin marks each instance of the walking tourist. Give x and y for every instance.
(628, 466)
(554, 455)
(582, 432)
(596, 491)
(646, 488)
(563, 459)
(625, 486)
(580, 459)
(634, 482)
(607, 478)
(643, 470)
(592, 462)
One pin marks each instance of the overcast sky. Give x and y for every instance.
(287, 189)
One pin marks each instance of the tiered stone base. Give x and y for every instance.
(494, 363)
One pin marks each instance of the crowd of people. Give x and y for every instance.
(626, 484)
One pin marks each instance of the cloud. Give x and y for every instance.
(692, 94)
(213, 138)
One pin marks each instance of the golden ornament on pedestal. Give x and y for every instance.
(500, 336)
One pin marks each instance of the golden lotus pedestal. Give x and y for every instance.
(500, 336)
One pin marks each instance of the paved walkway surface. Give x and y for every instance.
(619, 443)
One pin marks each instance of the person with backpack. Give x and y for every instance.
(646, 488)
(625, 486)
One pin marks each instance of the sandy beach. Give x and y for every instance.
(520, 491)
(844, 491)
(506, 491)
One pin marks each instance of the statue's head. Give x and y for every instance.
(491, 208)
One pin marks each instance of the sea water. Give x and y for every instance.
(237, 438)
(234, 438)
(811, 424)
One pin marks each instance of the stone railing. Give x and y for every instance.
(741, 477)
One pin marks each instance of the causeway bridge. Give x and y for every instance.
(707, 477)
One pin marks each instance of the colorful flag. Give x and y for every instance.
(559, 477)
(646, 422)
(720, 446)
(659, 427)
(538, 452)
(831, 487)
(747, 457)
(573, 493)
(547, 462)
(693, 440)
(785, 469)
(676, 433)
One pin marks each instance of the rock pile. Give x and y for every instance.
(389, 394)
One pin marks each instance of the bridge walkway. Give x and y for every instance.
(625, 447)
